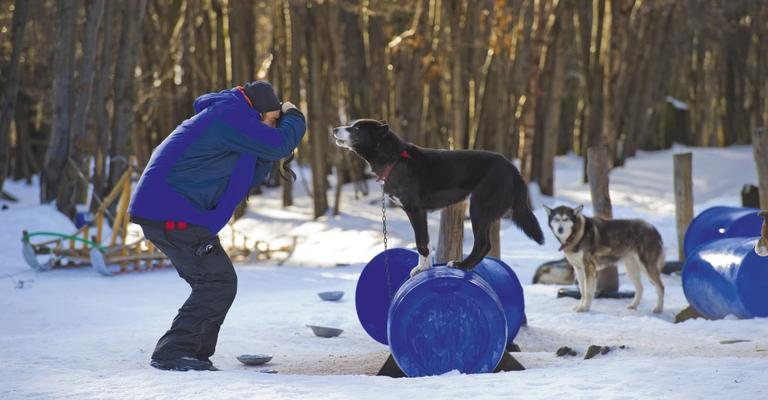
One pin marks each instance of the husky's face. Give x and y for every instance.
(362, 135)
(562, 219)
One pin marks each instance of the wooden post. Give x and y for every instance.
(760, 149)
(598, 166)
(451, 238)
(99, 225)
(683, 198)
(121, 219)
(495, 239)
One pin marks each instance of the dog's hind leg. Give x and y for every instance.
(633, 265)
(418, 220)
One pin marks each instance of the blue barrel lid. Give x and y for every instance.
(445, 319)
(373, 295)
(721, 222)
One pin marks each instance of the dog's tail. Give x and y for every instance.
(522, 215)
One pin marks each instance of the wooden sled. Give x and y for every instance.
(79, 249)
(240, 250)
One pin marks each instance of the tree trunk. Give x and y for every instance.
(552, 119)
(8, 105)
(100, 111)
(597, 172)
(125, 94)
(318, 138)
(282, 70)
(591, 25)
(63, 63)
(72, 185)
(221, 53)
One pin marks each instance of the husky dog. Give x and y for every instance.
(419, 180)
(591, 244)
(558, 272)
(761, 248)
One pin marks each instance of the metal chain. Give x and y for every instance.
(384, 230)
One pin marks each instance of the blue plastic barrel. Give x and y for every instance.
(506, 285)
(721, 222)
(726, 276)
(445, 319)
(376, 288)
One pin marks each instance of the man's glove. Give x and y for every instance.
(287, 105)
(289, 108)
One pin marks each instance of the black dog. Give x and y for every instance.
(421, 180)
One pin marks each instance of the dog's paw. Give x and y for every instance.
(657, 310)
(451, 264)
(417, 270)
(580, 308)
(632, 307)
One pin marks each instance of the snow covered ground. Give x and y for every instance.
(75, 334)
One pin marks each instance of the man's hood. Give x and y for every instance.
(209, 99)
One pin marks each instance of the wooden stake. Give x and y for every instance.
(683, 198)
(495, 239)
(450, 242)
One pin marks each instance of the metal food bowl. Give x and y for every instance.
(331, 296)
(324, 331)
(254, 359)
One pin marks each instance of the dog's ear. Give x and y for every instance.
(578, 209)
(548, 210)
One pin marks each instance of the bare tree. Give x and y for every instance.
(72, 185)
(64, 60)
(21, 11)
(100, 111)
(133, 14)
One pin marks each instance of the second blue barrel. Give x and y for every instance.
(721, 222)
(445, 319)
(726, 276)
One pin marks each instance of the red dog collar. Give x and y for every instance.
(388, 169)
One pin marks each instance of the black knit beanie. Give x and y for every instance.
(262, 96)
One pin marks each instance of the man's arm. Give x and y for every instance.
(266, 142)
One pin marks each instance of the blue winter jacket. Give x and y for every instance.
(207, 165)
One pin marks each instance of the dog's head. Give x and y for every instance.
(562, 220)
(367, 137)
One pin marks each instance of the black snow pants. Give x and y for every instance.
(201, 261)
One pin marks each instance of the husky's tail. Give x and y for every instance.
(522, 215)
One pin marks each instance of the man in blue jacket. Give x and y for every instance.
(194, 180)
